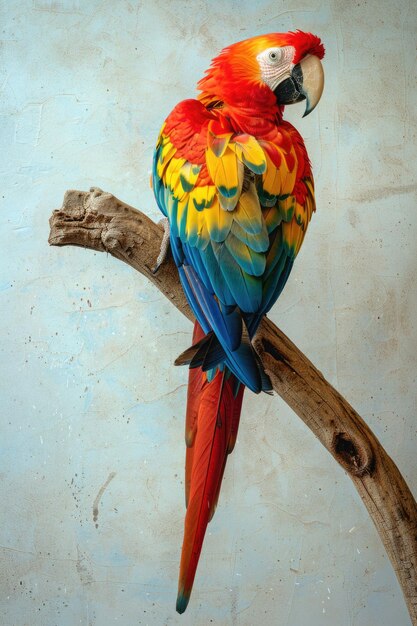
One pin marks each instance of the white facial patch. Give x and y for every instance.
(276, 65)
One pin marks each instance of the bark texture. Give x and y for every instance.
(99, 221)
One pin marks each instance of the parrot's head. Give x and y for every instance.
(279, 68)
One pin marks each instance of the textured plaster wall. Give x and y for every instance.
(92, 409)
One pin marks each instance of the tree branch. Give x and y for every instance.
(99, 221)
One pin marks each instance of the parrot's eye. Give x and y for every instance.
(274, 56)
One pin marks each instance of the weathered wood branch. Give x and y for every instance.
(99, 221)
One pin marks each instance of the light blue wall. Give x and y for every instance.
(87, 349)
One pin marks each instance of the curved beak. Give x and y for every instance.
(305, 83)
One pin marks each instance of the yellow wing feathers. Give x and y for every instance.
(242, 182)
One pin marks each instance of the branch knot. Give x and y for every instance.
(352, 455)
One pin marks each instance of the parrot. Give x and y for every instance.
(233, 181)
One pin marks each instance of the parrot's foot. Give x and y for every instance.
(163, 253)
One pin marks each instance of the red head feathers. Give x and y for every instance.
(247, 73)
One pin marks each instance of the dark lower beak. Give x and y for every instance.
(290, 90)
(305, 83)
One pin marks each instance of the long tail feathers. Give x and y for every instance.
(212, 421)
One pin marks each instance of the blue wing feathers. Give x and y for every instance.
(241, 361)
(246, 289)
(191, 297)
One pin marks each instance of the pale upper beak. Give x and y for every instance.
(305, 83)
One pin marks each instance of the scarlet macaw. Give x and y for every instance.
(234, 180)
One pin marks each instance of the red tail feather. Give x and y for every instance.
(212, 420)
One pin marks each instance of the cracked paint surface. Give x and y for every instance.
(87, 383)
